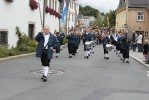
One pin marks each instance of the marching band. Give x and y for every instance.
(90, 37)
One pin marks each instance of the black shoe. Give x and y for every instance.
(70, 57)
(107, 57)
(127, 61)
(56, 56)
(44, 79)
(123, 60)
(87, 57)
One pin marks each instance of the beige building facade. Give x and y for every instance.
(133, 16)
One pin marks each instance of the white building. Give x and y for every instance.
(85, 20)
(20, 14)
(72, 14)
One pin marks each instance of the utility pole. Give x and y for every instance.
(44, 7)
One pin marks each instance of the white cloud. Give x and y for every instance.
(101, 5)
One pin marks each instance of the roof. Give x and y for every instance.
(134, 4)
(138, 3)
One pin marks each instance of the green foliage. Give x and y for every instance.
(89, 11)
(112, 18)
(4, 52)
(24, 45)
(65, 40)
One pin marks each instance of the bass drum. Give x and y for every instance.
(109, 47)
(87, 45)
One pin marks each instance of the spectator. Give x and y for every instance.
(145, 50)
(139, 42)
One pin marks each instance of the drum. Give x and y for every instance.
(87, 45)
(109, 47)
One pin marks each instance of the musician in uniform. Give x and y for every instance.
(105, 41)
(86, 38)
(46, 42)
(125, 47)
(71, 43)
(57, 47)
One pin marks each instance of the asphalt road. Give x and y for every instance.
(83, 79)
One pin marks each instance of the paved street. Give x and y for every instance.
(83, 79)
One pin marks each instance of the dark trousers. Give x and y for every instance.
(140, 49)
(44, 59)
(71, 48)
(105, 51)
(125, 53)
(57, 50)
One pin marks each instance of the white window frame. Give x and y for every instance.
(141, 16)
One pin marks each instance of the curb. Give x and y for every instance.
(23, 55)
(17, 56)
(138, 60)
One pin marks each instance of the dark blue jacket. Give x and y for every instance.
(40, 39)
(86, 37)
(124, 43)
(62, 35)
(105, 41)
(77, 39)
(57, 46)
(71, 39)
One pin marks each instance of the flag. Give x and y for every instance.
(108, 22)
(64, 8)
(64, 13)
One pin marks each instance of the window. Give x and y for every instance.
(50, 3)
(3, 37)
(141, 16)
(55, 5)
(72, 17)
(31, 31)
(46, 2)
(72, 5)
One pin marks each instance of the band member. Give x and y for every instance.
(62, 35)
(46, 42)
(77, 43)
(71, 43)
(86, 38)
(116, 38)
(105, 41)
(125, 47)
(57, 47)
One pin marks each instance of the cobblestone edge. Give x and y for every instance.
(138, 60)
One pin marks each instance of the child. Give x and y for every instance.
(145, 50)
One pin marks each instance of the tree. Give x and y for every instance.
(111, 17)
(89, 11)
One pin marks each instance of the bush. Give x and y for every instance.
(4, 52)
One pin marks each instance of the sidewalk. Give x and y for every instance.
(138, 57)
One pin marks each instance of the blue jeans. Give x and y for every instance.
(140, 49)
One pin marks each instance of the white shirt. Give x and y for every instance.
(139, 39)
(46, 38)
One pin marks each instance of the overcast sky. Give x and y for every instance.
(101, 5)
